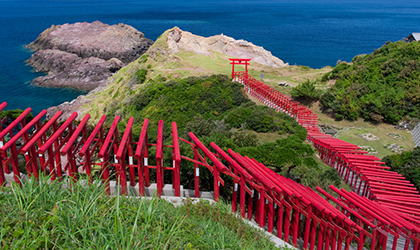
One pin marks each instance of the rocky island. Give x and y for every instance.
(84, 55)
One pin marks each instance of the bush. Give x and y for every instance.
(141, 75)
(306, 90)
(12, 114)
(407, 164)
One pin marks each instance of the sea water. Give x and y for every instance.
(314, 33)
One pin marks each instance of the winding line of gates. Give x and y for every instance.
(280, 205)
(383, 197)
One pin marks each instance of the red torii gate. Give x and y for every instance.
(301, 213)
(238, 61)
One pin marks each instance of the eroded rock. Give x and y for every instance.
(84, 55)
(94, 39)
(69, 70)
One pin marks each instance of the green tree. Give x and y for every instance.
(306, 90)
(407, 164)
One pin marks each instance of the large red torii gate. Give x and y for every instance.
(238, 61)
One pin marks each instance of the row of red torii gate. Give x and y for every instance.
(381, 213)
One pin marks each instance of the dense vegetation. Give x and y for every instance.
(407, 164)
(188, 101)
(47, 216)
(383, 86)
(217, 109)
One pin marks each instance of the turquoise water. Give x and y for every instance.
(303, 32)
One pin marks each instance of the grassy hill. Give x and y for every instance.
(350, 131)
(382, 87)
(217, 109)
(159, 64)
(195, 91)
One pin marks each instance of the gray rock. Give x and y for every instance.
(84, 55)
(184, 40)
(94, 39)
(69, 70)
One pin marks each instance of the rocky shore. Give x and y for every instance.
(84, 55)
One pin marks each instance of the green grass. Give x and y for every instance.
(48, 216)
(351, 135)
(351, 130)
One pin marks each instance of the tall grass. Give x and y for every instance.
(44, 215)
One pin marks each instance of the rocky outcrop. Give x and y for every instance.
(84, 55)
(183, 40)
(94, 39)
(69, 70)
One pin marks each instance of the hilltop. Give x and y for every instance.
(180, 54)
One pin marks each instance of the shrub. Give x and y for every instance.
(141, 75)
(407, 164)
(306, 90)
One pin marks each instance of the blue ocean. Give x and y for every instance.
(314, 33)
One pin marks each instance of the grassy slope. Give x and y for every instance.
(351, 130)
(382, 86)
(374, 80)
(47, 216)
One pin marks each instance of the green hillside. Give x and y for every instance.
(195, 91)
(217, 109)
(382, 87)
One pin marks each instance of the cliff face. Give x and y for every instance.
(69, 70)
(84, 55)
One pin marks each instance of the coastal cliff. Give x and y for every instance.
(175, 54)
(84, 55)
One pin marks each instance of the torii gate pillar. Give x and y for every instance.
(235, 61)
